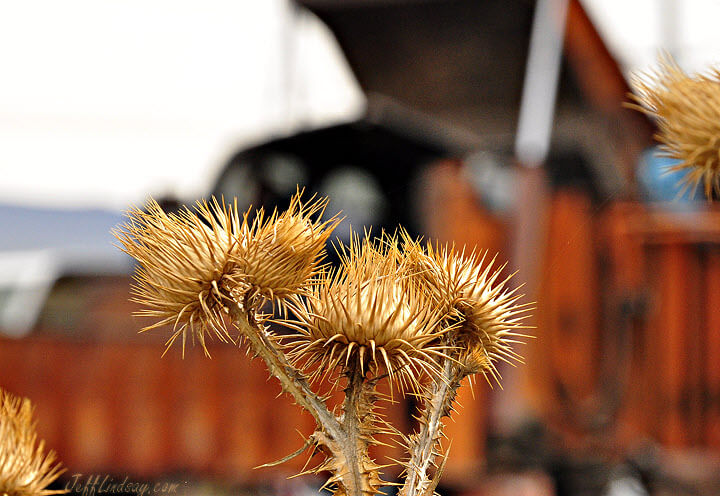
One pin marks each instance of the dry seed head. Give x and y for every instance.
(687, 112)
(191, 262)
(25, 470)
(485, 311)
(278, 255)
(185, 259)
(367, 315)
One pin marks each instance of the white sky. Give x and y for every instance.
(636, 31)
(105, 102)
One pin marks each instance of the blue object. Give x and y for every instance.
(659, 184)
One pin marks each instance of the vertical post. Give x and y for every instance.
(537, 106)
(532, 145)
(672, 366)
(712, 340)
(669, 35)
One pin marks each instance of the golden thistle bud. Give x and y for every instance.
(24, 469)
(687, 112)
(191, 263)
(185, 260)
(485, 313)
(276, 256)
(366, 316)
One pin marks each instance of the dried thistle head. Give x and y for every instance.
(185, 260)
(687, 112)
(366, 315)
(484, 310)
(277, 255)
(192, 262)
(25, 470)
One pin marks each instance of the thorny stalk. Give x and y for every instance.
(291, 380)
(355, 449)
(422, 446)
(363, 477)
(345, 440)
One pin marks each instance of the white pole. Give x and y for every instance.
(532, 143)
(537, 106)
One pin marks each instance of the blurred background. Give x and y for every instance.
(497, 125)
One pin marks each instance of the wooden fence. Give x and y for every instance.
(122, 409)
(628, 344)
(668, 263)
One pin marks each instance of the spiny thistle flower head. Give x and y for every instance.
(277, 255)
(687, 112)
(484, 310)
(366, 315)
(185, 260)
(192, 262)
(25, 470)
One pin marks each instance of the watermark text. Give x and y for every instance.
(97, 484)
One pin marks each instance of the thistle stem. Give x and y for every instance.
(355, 448)
(438, 404)
(344, 439)
(291, 380)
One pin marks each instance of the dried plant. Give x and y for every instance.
(687, 111)
(190, 262)
(185, 259)
(419, 316)
(25, 469)
(361, 316)
(277, 255)
(483, 319)
(485, 311)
